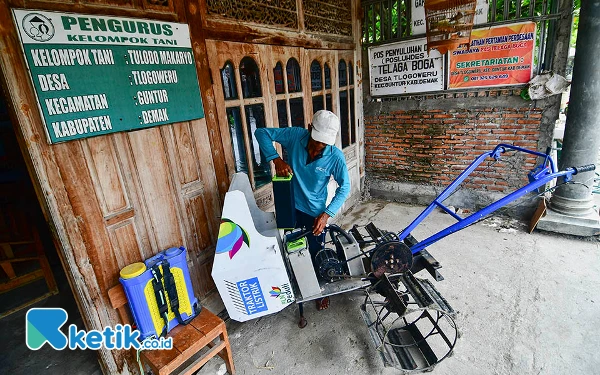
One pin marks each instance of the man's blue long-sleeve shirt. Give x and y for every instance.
(310, 179)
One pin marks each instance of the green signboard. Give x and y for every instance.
(96, 75)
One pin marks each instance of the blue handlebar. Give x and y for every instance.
(539, 177)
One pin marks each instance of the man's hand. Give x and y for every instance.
(282, 169)
(320, 223)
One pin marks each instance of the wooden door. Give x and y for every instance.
(347, 90)
(323, 84)
(120, 198)
(334, 87)
(289, 83)
(241, 86)
(294, 84)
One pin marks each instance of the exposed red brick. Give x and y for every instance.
(434, 146)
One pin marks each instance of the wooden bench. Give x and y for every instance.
(187, 355)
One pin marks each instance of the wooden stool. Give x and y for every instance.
(188, 341)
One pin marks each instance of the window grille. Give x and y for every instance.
(386, 21)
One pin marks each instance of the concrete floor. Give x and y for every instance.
(17, 359)
(527, 304)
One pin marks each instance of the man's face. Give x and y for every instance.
(315, 147)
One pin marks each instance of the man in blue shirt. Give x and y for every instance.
(313, 158)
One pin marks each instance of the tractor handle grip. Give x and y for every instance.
(337, 229)
(584, 168)
(297, 235)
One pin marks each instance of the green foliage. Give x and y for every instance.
(575, 27)
(526, 9)
(383, 19)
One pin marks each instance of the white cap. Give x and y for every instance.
(325, 126)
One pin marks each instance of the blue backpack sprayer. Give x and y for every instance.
(160, 292)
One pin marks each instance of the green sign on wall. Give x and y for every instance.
(96, 75)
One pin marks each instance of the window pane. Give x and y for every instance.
(328, 103)
(316, 79)
(327, 77)
(342, 72)
(318, 103)
(297, 112)
(293, 76)
(283, 122)
(278, 75)
(250, 77)
(237, 139)
(228, 80)
(344, 118)
(255, 118)
(352, 119)
(350, 73)
(282, 114)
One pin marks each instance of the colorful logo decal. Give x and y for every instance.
(231, 237)
(284, 293)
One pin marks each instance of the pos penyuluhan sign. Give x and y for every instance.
(405, 67)
(498, 56)
(96, 75)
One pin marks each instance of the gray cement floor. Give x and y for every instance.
(17, 359)
(527, 304)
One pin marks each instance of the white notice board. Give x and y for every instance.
(405, 67)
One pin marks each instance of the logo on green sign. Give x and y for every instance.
(38, 27)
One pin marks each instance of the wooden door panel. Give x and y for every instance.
(221, 53)
(210, 184)
(139, 214)
(354, 173)
(200, 243)
(184, 148)
(329, 58)
(106, 174)
(196, 211)
(205, 281)
(282, 55)
(97, 253)
(192, 168)
(125, 243)
(217, 57)
(157, 193)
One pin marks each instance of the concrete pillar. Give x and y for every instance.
(571, 208)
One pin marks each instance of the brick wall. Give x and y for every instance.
(433, 146)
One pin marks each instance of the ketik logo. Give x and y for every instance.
(42, 325)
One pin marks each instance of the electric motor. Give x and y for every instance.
(328, 264)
